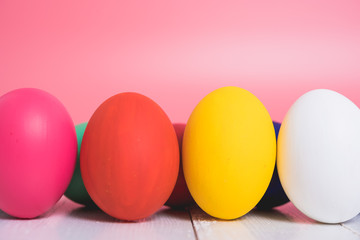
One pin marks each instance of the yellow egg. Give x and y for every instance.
(229, 151)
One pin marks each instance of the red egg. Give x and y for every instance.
(129, 157)
(180, 197)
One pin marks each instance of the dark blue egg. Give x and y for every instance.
(274, 195)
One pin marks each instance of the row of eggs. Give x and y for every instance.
(129, 159)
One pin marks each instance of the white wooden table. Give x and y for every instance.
(68, 220)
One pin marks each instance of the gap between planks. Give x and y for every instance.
(192, 223)
(285, 222)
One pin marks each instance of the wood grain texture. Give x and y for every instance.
(68, 220)
(353, 225)
(284, 222)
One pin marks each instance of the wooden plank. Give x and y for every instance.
(284, 222)
(353, 225)
(68, 220)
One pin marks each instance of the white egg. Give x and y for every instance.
(319, 156)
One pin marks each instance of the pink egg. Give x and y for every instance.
(37, 152)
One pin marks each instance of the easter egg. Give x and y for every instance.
(319, 156)
(76, 190)
(129, 158)
(229, 150)
(274, 195)
(37, 152)
(180, 196)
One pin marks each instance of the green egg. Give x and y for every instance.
(76, 190)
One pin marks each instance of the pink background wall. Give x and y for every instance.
(178, 51)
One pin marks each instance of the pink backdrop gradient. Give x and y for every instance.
(178, 51)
